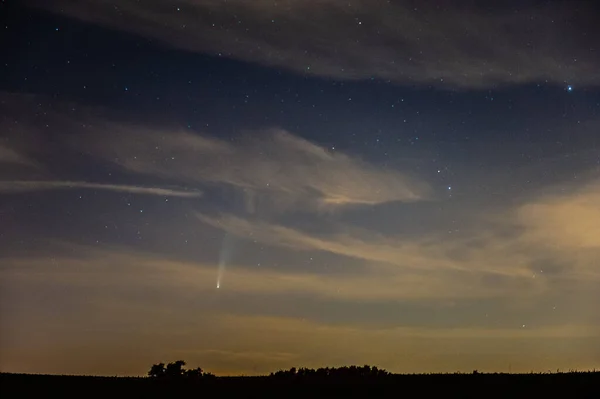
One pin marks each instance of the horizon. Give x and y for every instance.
(270, 375)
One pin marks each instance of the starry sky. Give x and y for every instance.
(256, 185)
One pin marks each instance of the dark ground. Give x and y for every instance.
(565, 385)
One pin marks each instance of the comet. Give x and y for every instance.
(225, 255)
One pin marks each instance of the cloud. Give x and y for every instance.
(111, 302)
(520, 248)
(566, 225)
(434, 253)
(271, 169)
(290, 324)
(409, 348)
(115, 301)
(462, 45)
(10, 156)
(20, 186)
(117, 274)
(275, 166)
(119, 269)
(567, 221)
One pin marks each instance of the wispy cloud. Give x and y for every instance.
(465, 45)
(274, 165)
(434, 253)
(270, 168)
(552, 238)
(11, 156)
(19, 186)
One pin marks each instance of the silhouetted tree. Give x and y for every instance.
(341, 373)
(194, 374)
(157, 370)
(175, 369)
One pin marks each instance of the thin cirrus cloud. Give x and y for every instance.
(11, 156)
(563, 228)
(435, 267)
(275, 166)
(269, 169)
(19, 186)
(392, 254)
(459, 44)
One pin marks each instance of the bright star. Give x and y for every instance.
(569, 88)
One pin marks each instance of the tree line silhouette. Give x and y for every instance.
(345, 373)
(173, 380)
(175, 370)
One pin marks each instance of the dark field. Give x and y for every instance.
(566, 385)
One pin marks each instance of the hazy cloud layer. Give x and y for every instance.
(121, 269)
(24, 186)
(463, 44)
(277, 166)
(10, 156)
(569, 221)
(102, 296)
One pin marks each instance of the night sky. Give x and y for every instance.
(257, 185)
